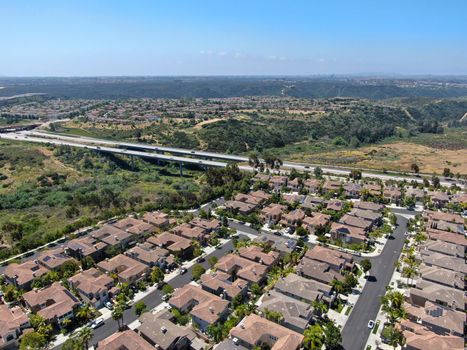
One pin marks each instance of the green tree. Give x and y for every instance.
(256, 289)
(117, 315)
(140, 308)
(332, 336)
(157, 275)
(365, 265)
(167, 289)
(318, 172)
(85, 335)
(33, 341)
(319, 307)
(73, 344)
(393, 336)
(197, 271)
(313, 337)
(393, 306)
(87, 263)
(415, 168)
(212, 261)
(85, 312)
(301, 231)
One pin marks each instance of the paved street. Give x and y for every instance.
(356, 331)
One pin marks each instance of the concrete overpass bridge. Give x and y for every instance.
(127, 152)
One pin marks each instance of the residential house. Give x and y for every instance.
(93, 286)
(293, 198)
(445, 248)
(205, 308)
(160, 330)
(335, 205)
(210, 225)
(256, 254)
(296, 314)
(439, 199)
(376, 218)
(136, 227)
(261, 195)
(82, 247)
(54, 259)
(318, 271)
(113, 236)
(368, 206)
(294, 184)
(260, 177)
(127, 269)
(277, 182)
(445, 277)
(333, 187)
(355, 221)
(254, 331)
(316, 222)
(444, 221)
(302, 288)
(437, 293)
(423, 339)
(445, 236)
(248, 270)
(173, 243)
(416, 193)
(54, 303)
(372, 189)
(312, 185)
(392, 194)
(436, 318)
(272, 214)
(459, 198)
(281, 244)
(157, 219)
(293, 219)
(151, 256)
(312, 203)
(125, 340)
(352, 190)
(12, 323)
(193, 233)
(337, 260)
(349, 234)
(240, 207)
(219, 283)
(444, 261)
(21, 275)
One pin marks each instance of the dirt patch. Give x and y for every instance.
(395, 156)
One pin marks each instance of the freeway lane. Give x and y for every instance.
(152, 300)
(231, 157)
(163, 157)
(356, 331)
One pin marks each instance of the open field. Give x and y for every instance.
(432, 153)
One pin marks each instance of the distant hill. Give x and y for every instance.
(212, 87)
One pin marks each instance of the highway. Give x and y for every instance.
(23, 136)
(122, 148)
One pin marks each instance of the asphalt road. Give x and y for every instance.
(356, 332)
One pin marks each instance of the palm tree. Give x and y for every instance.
(85, 312)
(313, 337)
(85, 335)
(319, 307)
(409, 272)
(117, 315)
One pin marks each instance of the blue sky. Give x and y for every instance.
(232, 37)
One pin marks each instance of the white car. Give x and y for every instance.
(97, 323)
(371, 324)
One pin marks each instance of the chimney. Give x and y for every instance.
(211, 309)
(163, 330)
